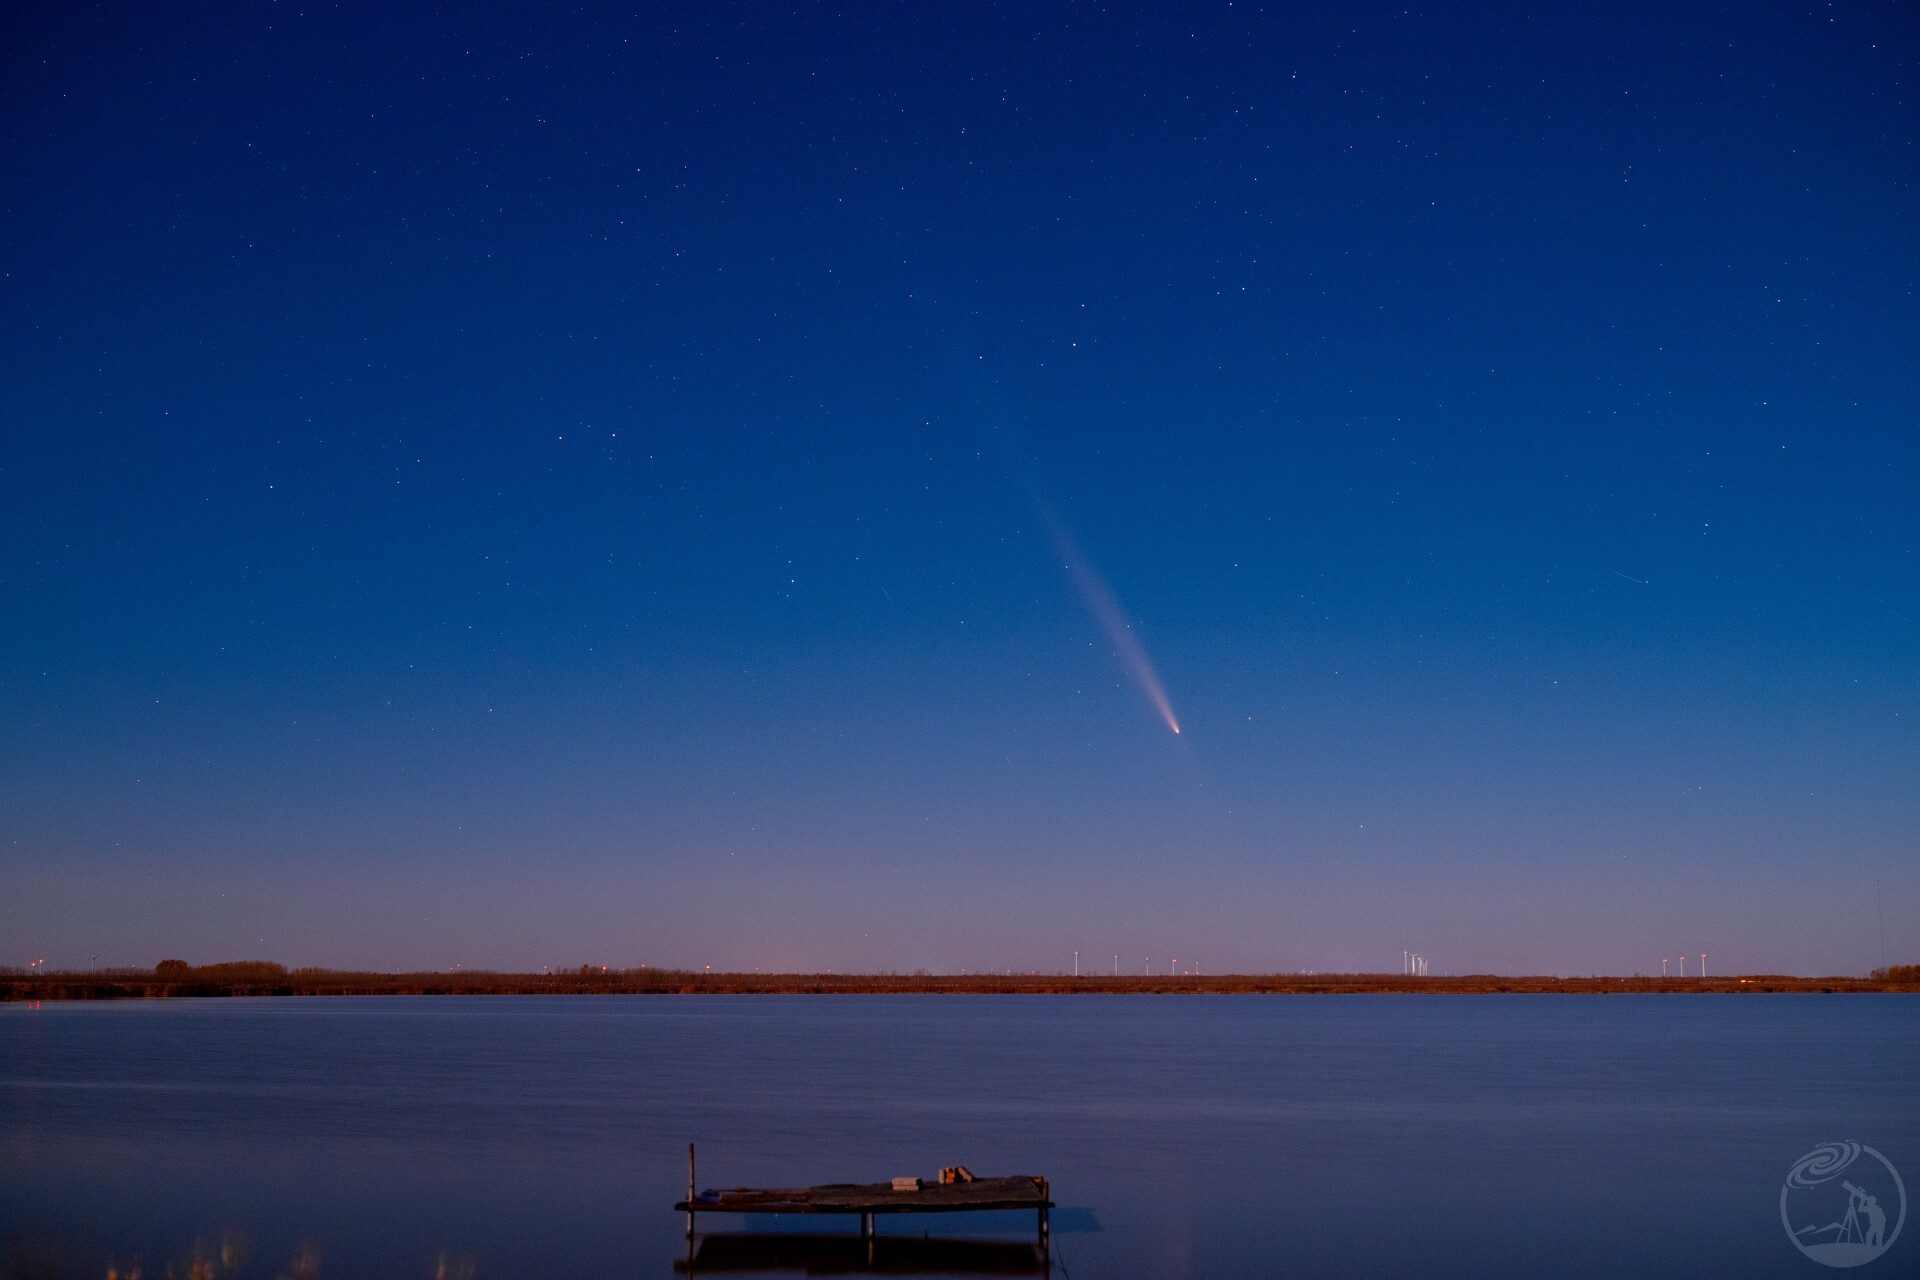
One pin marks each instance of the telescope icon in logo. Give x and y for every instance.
(1849, 1201)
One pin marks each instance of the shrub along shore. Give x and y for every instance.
(174, 978)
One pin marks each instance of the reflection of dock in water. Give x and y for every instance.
(721, 1253)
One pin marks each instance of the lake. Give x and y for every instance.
(1215, 1136)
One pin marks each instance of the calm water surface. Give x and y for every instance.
(1184, 1136)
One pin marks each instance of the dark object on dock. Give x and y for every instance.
(974, 1195)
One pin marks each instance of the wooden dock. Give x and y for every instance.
(867, 1199)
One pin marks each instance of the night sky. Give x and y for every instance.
(755, 486)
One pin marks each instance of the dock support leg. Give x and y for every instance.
(692, 1189)
(1043, 1227)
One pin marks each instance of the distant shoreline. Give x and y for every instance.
(243, 980)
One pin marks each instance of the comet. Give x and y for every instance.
(1112, 619)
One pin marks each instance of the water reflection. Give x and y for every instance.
(48, 1259)
(716, 1254)
(1448, 1138)
(815, 1255)
(449, 1266)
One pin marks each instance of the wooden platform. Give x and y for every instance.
(877, 1197)
(968, 1194)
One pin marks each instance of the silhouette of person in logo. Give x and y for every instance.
(1847, 1230)
(1876, 1221)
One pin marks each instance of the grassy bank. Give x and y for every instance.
(175, 980)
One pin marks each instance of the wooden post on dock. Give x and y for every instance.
(691, 1191)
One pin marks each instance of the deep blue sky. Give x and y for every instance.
(511, 486)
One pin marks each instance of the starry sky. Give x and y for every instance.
(757, 485)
